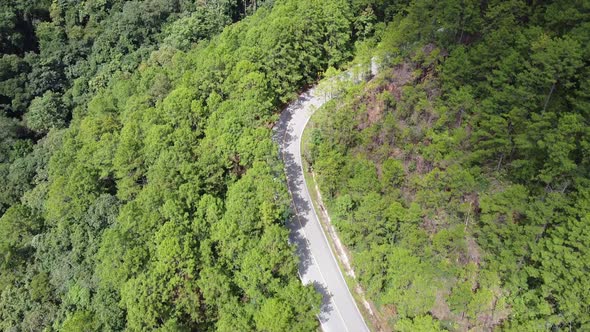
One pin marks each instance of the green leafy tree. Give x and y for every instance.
(46, 112)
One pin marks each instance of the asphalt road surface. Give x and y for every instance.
(339, 312)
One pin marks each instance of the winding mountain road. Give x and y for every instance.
(318, 266)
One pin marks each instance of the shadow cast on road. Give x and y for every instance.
(300, 207)
(287, 133)
(326, 307)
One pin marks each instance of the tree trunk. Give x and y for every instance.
(549, 96)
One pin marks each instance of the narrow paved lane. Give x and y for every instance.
(317, 266)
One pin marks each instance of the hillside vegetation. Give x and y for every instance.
(459, 177)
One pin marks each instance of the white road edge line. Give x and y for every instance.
(306, 240)
(321, 227)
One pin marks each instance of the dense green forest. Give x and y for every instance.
(140, 189)
(459, 176)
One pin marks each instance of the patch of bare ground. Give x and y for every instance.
(473, 251)
(399, 76)
(423, 166)
(441, 309)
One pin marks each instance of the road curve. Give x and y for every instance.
(317, 266)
